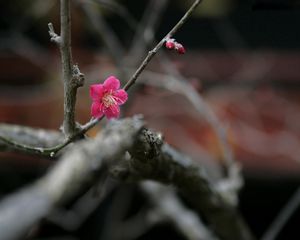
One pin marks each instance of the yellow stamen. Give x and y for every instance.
(108, 100)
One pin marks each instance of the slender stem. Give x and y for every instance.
(69, 124)
(48, 151)
(22, 147)
(159, 45)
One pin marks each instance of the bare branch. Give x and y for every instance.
(26, 139)
(54, 37)
(151, 53)
(35, 145)
(70, 89)
(72, 77)
(75, 170)
(151, 159)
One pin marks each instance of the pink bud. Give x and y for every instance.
(179, 48)
(170, 44)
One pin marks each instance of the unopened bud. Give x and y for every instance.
(170, 44)
(179, 48)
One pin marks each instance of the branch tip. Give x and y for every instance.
(54, 37)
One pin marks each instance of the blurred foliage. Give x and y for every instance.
(24, 9)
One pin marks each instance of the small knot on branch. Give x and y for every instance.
(77, 77)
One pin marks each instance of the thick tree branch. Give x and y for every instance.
(151, 159)
(189, 228)
(77, 169)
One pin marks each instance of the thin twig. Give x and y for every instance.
(12, 135)
(11, 144)
(284, 215)
(22, 147)
(151, 53)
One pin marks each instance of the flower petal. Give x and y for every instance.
(112, 112)
(97, 110)
(111, 83)
(96, 91)
(120, 96)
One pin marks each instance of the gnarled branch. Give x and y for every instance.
(155, 160)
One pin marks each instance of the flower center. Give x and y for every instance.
(108, 100)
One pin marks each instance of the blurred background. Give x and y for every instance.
(242, 57)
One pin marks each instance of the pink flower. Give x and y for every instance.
(171, 43)
(106, 98)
